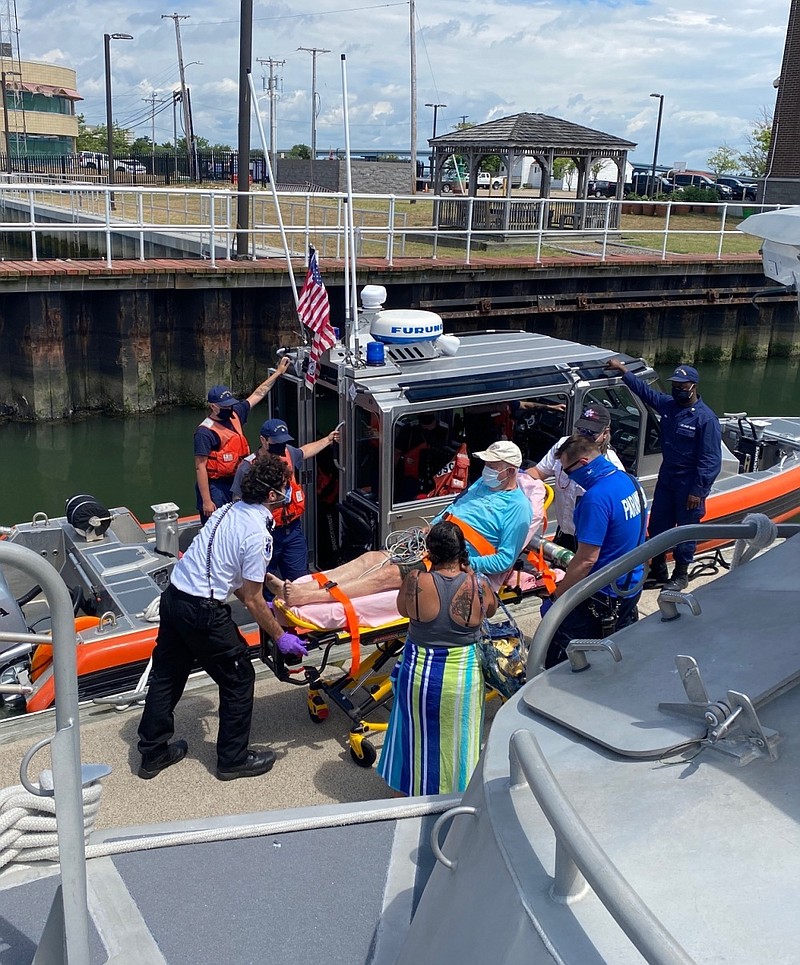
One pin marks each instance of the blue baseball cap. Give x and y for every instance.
(685, 373)
(222, 396)
(276, 430)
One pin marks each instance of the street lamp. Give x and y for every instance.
(435, 114)
(6, 73)
(655, 148)
(107, 38)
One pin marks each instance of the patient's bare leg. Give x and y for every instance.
(370, 573)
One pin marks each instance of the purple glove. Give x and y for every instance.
(547, 602)
(288, 643)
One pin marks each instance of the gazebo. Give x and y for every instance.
(544, 139)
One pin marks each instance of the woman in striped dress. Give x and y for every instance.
(434, 736)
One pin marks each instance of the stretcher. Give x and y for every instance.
(341, 628)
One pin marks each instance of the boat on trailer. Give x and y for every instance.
(397, 370)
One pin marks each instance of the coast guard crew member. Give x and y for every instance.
(609, 522)
(289, 547)
(230, 554)
(220, 443)
(691, 446)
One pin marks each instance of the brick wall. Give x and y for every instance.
(784, 160)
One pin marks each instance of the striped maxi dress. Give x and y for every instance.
(434, 735)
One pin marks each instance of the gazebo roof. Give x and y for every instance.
(531, 134)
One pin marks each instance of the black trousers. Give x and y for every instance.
(191, 630)
(584, 623)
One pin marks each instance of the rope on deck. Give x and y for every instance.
(28, 822)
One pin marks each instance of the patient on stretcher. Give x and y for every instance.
(497, 515)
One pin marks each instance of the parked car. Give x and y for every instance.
(607, 189)
(643, 184)
(484, 179)
(697, 179)
(742, 190)
(93, 161)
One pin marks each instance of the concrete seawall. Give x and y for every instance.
(78, 336)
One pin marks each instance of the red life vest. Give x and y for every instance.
(296, 506)
(233, 447)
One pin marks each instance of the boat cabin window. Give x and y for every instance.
(626, 423)
(426, 443)
(366, 433)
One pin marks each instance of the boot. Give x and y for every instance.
(657, 575)
(680, 577)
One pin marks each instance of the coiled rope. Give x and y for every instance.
(28, 822)
(406, 546)
(746, 549)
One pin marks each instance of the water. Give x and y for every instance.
(148, 459)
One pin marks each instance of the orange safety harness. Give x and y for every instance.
(479, 543)
(350, 618)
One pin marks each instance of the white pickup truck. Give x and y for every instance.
(93, 161)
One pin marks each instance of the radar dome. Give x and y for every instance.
(402, 326)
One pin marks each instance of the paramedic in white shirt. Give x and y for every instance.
(229, 554)
(595, 422)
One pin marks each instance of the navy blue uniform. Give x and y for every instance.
(691, 446)
(611, 516)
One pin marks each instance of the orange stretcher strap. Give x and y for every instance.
(537, 560)
(479, 543)
(350, 618)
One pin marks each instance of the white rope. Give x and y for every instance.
(28, 822)
(406, 546)
(746, 549)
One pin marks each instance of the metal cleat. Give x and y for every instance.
(668, 601)
(577, 650)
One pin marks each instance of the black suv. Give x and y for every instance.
(742, 190)
(606, 189)
(685, 179)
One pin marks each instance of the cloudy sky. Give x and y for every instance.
(594, 62)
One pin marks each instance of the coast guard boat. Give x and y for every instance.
(396, 375)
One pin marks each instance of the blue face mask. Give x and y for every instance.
(586, 476)
(491, 478)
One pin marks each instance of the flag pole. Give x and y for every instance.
(284, 239)
(351, 336)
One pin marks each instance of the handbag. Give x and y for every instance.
(504, 654)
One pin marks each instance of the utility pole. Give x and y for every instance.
(151, 100)
(412, 38)
(243, 153)
(314, 51)
(187, 117)
(464, 118)
(272, 90)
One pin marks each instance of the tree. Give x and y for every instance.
(725, 160)
(596, 168)
(563, 169)
(302, 151)
(95, 139)
(759, 140)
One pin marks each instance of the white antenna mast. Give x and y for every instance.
(284, 239)
(351, 339)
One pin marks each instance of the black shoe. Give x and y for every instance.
(256, 762)
(656, 578)
(152, 766)
(678, 582)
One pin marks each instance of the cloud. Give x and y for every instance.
(588, 61)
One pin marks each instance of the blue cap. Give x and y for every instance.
(276, 430)
(685, 373)
(222, 396)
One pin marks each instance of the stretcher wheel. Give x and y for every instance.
(317, 708)
(367, 756)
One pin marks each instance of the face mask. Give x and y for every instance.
(681, 395)
(491, 477)
(586, 476)
(277, 448)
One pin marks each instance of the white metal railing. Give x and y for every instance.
(128, 221)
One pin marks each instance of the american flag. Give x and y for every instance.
(314, 311)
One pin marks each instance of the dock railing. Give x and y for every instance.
(41, 221)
